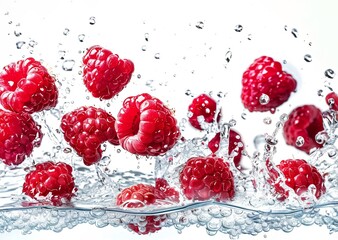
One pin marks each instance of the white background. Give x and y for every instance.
(121, 27)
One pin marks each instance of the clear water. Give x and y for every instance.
(165, 73)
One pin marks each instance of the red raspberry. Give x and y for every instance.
(234, 140)
(85, 129)
(50, 181)
(26, 86)
(164, 191)
(19, 134)
(299, 175)
(204, 106)
(332, 100)
(304, 121)
(145, 126)
(204, 178)
(104, 73)
(138, 196)
(265, 76)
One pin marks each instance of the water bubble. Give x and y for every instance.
(68, 65)
(20, 44)
(200, 25)
(144, 48)
(308, 58)
(250, 37)
(285, 62)
(285, 27)
(243, 115)
(300, 141)
(157, 56)
(92, 20)
(294, 32)
(149, 82)
(67, 150)
(329, 73)
(267, 120)
(138, 76)
(220, 94)
(81, 37)
(228, 57)
(232, 122)
(238, 28)
(66, 31)
(32, 43)
(146, 36)
(264, 99)
(188, 92)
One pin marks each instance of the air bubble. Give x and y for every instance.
(144, 48)
(138, 76)
(157, 56)
(238, 28)
(17, 34)
(200, 25)
(232, 122)
(308, 58)
(188, 92)
(264, 99)
(250, 37)
(320, 93)
(92, 20)
(68, 65)
(329, 73)
(62, 54)
(243, 116)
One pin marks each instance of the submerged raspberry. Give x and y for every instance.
(50, 182)
(86, 128)
(26, 86)
(204, 178)
(19, 135)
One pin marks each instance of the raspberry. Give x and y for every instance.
(204, 178)
(86, 128)
(164, 191)
(145, 126)
(266, 79)
(299, 175)
(234, 141)
(202, 106)
(19, 135)
(104, 73)
(26, 86)
(305, 122)
(332, 100)
(138, 196)
(50, 181)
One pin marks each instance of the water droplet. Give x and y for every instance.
(320, 93)
(92, 20)
(66, 31)
(329, 73)
(157, 56)
(285, 62)
(68, 65)
(249, 36)
(228, 57)
(62, 54)
(67, 90)
(285, 27)
(144, 48)
(17, 33)
(299, 141)
(267, 120)
(138, 76)
(200, 25)
(81, 37)
(243, 115)
(264, 99)
(307, 58)
(238, 28)
(149, 82)
(146, 36)
(67, 150)
(188, 92)
(232, 122)
(294, 32)
(20, 44)
(220, 94)
(310, 43)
